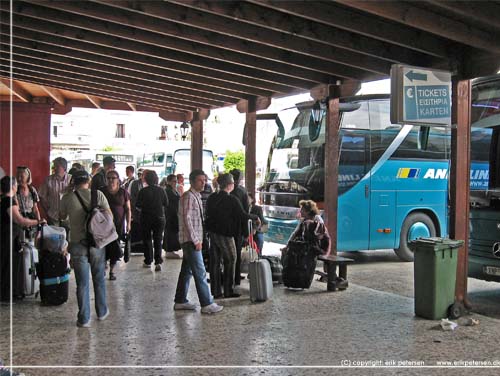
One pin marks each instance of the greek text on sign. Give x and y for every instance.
(420, 96)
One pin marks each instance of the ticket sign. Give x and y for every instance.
(420, 96)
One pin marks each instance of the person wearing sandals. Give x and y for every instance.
(119, 203)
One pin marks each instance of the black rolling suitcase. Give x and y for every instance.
(299, 264)
(52, 269)
(53, 273)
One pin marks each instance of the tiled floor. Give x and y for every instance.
(295, 328)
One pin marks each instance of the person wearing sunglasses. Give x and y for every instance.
(119, 203)
(27, 195)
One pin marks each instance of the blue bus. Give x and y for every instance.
(484, 240)
(393, 179)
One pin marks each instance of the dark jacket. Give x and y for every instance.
(173, 209)
(242, 195)
(152, 202)
(257, 210)
(99, 181)
(225, 215)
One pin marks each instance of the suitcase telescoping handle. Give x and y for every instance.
(254, 254)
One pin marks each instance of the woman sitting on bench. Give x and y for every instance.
(311, 228)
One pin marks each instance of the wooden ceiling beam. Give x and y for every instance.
(100, 84)
(265, 45)
(55, 94)
(105, 81)
(175, 116)
(77, 27)
(111, 66)
(419, 17)
(61, 84)
(36, 31)
(96, 101)
(297, 34)
(479, 11)
(16, 89)
(325, 15)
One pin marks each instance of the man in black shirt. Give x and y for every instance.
(241, 194)
(224, 216)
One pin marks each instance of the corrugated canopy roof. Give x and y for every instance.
(181, 56)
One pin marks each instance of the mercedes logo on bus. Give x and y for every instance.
(496, 249)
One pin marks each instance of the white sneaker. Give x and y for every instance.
(184, 307)
(102, 318)
(172, 255)
(85, 325)
(211, 308)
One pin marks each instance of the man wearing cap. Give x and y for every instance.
(52, 190)
(84, 257)
(99, 179)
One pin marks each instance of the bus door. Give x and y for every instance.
(382, 213)
(354, 181)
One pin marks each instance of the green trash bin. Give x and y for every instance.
(435, 274)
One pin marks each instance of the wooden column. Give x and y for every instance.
(459, 181)
(332, 171)
(250, 107)
(197, 138)
(331, 94)
(250, 148)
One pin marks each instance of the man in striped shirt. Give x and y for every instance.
(191, 239)
(53, 189)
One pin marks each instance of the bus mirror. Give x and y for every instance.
(423, 137)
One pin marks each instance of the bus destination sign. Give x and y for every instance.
(420, 96)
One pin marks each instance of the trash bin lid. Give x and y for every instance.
(435, 244)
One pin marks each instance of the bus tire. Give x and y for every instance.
(416, 225)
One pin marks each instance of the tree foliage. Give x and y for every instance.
(234, 160)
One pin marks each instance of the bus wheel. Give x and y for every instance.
(416, 225)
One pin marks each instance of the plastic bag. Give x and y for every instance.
(52, 239)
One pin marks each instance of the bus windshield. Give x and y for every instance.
(182, 159)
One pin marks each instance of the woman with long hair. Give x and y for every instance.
(119, 203)
(27, 195)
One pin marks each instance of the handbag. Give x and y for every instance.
(127, 249)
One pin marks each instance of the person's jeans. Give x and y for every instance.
(156, 225)
(192, 265)
(259, 240)
(83, 261)
(225, 249)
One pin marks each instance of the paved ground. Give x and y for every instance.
(370, 324)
